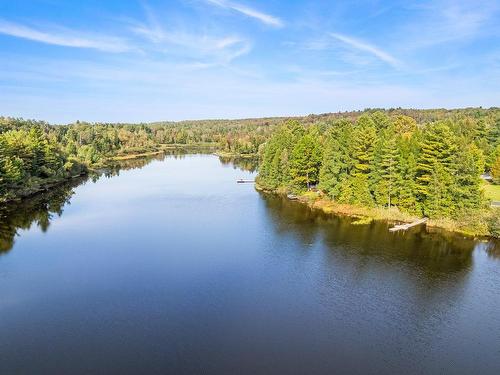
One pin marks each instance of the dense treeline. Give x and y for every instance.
(384, 160)
(35, 154)
(30, 160)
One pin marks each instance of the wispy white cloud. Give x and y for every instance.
(444, 21)
(249, 12)
(365, 47)
(65, 37)
(178, 41)
(141, 90)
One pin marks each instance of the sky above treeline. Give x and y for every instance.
(148, 60)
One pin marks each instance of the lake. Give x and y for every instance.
(173, 268)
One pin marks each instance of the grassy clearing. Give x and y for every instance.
(315, 200)
(491, 191)
(135, 156)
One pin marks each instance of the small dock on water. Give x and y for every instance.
(243, 181)
(408, 225)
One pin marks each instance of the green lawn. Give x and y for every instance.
(492, 191)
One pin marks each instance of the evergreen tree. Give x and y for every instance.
(386, 169)
(355, 190)
(284, 168)
(495, 170)
(305, 160)
(346, 190)
(274, 172)
(363, 147)
(405, 183)
(361, 190)
(470, 165)
(439, 201)
(405, 125)
(381, 120)
(35, 145)
(3, 159)
(13, 170)
(377, 187)
(333, 168)
(437, 148)
(494, 132)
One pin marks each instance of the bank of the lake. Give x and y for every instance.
(226, 154)
(484, 223)
(37, 186)
(33, 186)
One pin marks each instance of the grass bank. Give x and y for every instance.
(225, 154)
(481, 223)
(135, 156)
(35, 186)
(491, 192)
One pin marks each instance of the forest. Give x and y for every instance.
(35, 155)
(431, 166)
(420, 162)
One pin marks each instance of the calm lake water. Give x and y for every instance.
(173, 268)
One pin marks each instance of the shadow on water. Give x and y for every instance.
(113, 168)
(286, 290)
(243, 164)
(435, 253)
(41, 208)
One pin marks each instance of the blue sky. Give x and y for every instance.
(146, 60)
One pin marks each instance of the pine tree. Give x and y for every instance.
(386, 169)
(274, 168)
(363, 148)
(470, 165)
(284, 168)
(405, 183)
(346, 193)
(439, 202)
(355, 190)
(274, 172)
(36, 143)
(13, 170)
(494, 133)
(438, 148)
(405, 125)
(332, 170)
(305, 160)
(266, 157)
(495, 171)
(381, 120)
(361, 191)
(375, 180)
(3, 159)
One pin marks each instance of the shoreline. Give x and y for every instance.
(366, 215)
(48, 185)
(223, 154)
(134, 156)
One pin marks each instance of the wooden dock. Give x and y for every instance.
(407, 225)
